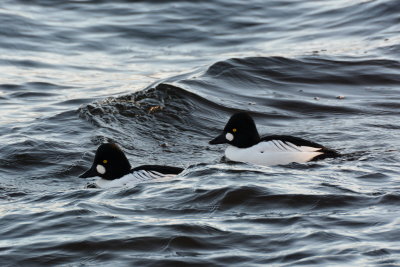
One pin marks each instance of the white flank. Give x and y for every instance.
(132, 179)
(274, 152)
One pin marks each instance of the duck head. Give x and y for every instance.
(109, 163)
(240, 131)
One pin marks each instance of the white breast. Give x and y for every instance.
(274, 152)
(132, 179)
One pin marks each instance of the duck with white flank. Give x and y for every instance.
(245, 145)
(111, 164)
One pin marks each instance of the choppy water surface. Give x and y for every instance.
(161, 78)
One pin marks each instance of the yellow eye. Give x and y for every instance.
(105, 161)
(234, 130)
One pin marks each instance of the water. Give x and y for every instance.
(161, 78)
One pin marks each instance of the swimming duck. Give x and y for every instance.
(245, 145)
(111, 164)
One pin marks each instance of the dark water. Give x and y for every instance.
(161, 78)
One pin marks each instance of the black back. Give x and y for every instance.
(158, 168)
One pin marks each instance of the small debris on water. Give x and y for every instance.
(164, 145)
(155, 109)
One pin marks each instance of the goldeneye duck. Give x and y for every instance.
(111, 164)
(245, 145)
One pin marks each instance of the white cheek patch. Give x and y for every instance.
(100, 169)
(229, 136)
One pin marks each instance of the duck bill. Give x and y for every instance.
(89, 173)
(220, 139)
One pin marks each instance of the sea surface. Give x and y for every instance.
(161, 78)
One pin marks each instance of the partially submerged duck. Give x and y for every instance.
(114, 169)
